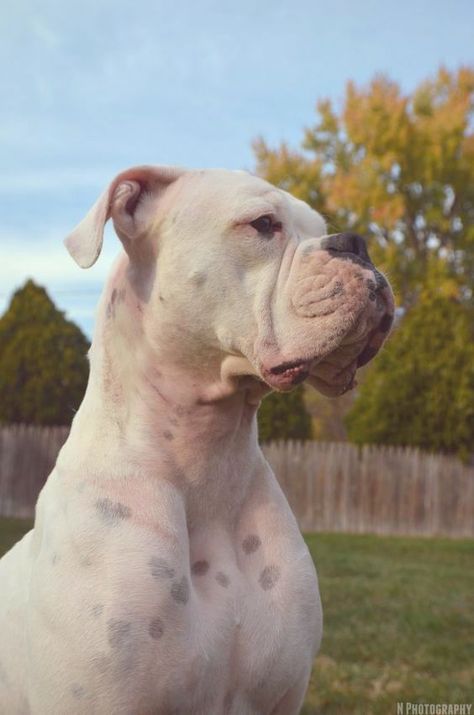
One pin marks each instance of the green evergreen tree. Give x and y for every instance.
(420, 390)
(43, 361)
(284, 416)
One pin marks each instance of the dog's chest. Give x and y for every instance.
(234, 625)
(210, 621)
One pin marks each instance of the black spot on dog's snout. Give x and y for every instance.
(386, 323)
(380, 280)
(366, 355)
(347, 243)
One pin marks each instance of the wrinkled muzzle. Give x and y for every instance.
(338, 310)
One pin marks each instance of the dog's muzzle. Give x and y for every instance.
(329, 293)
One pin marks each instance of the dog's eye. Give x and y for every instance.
(266, 225)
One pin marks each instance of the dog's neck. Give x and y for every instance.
(192, 426)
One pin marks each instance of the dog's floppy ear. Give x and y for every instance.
(124, 201)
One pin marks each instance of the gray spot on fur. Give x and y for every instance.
(112, 512)
(180, 590)
(269, 577)
(118, 632)
(110, 312)
(372, 296)
(156, 629)
(199, 278)
(168, 435)
(160, 568)
(338, 289)
(199, 568)
(78, 691)
(97, 610)
(222, 579)
(251, 543)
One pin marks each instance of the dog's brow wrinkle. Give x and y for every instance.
(269, 577)
(251, 543)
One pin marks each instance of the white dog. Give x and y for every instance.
(165, 572)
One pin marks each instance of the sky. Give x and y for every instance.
(90, 88)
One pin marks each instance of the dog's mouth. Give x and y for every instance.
(291, 372)
(333, 373)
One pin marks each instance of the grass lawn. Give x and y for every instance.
(399, 621)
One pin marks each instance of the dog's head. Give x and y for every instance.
(225, 263)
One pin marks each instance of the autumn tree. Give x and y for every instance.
(398, 168)
(43, 361)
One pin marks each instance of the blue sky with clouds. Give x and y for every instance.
(89, 88)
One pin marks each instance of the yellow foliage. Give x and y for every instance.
(397, 167)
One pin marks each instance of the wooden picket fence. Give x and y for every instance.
(374, 489)
(27, 456)
(330, 486)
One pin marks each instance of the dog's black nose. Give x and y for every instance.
(347, 243)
